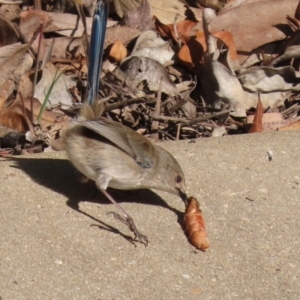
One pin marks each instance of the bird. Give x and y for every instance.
(111, 154)
(114, 155)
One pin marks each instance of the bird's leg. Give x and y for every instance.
(126, 219)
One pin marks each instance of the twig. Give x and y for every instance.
(200, 119)
(175, 30)
(155, 124)
(188, 122)
(178, 105)
(37, 4)
(79, 7)
(167, 134)
(123, 103)
(178, 131)
(36, 69)
(168, 119)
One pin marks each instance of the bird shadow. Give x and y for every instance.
(60, 176)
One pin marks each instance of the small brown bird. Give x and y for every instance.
(116, 156)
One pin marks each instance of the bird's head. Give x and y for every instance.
(171, 176)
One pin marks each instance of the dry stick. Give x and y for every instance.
(168, 119)
(200, 119)
(37, 4)
(123, 104)
(81, 14)
(36, 69)
(105, 99)
(182, 101)
(178, 131)
(23, 103)
(154, 126)
(114, 87)
(178, 105)
(175, 30)
(167, 134)
(191, 122)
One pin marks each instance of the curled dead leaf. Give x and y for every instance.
(195, 225)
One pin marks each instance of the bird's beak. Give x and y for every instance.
(183, 196)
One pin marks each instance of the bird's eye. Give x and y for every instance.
(178, 179)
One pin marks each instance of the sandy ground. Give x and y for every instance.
(57, 241)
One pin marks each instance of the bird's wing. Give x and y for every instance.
(128, 140)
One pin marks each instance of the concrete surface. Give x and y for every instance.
(51, 250)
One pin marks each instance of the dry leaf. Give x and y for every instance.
(227, 38)
(292, 49)
(195, 225)
(221, 86)
(124, 33)
(149, 39)
(59, 94)
(14, 121)
(257, 121)
(10, 11)
(30, 21)
(158, 54)
(253, 24)
(8, 33)
(18, 117)
(214, 4)
(150, 45)
(191, 54)
(138, 70)
(118, 51)
(62, 23)
(270, 121)
(268, 79)
(183, 29)
(123, 7)
(166, 11)
(63, 47)
(14, 62)
(140, 18)
(295, 125)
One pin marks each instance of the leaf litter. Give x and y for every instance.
(196, 73)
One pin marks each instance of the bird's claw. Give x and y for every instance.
(129, 222)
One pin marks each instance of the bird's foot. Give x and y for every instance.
(129, 222)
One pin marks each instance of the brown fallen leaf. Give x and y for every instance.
(169, 10)
(140, 17)
(118, 51)
(270, 122)
(13, 120)
(195, 225)
(191, 54)
(257, 121)
(17, 116)
(183, 28)
(214, 4)
(8, 33)
(257, 19)
(14, 62)
(295, 125)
